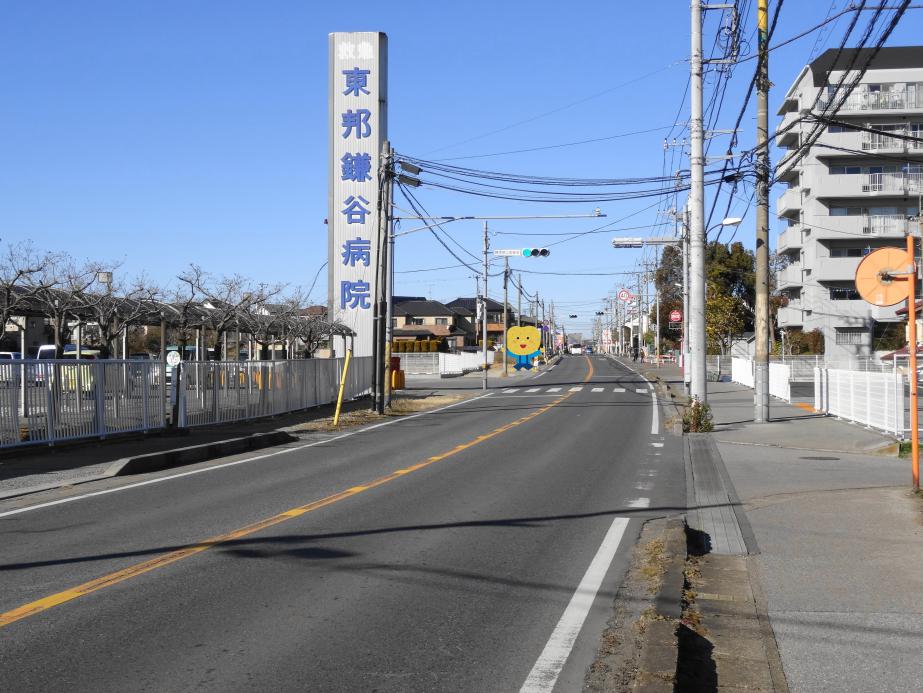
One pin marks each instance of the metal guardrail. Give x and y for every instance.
(55, 401)
(212, 392)
(58, 400)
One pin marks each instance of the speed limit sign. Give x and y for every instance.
(624, 295)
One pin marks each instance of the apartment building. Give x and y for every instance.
(852, 192)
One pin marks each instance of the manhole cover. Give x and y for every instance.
(818, 457)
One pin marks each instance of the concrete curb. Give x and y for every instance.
(659, 643)
(178, 457)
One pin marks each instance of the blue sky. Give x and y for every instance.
(162, 133)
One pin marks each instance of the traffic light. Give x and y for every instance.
(572, 316)
(535, 252)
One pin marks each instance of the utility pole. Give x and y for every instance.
(519, 302)
(387, 278)
(697, 212)
(686, 298)
(484, 308)
(506, 321)
(761, 370)
(657, 302)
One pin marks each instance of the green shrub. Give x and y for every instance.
(697, 418)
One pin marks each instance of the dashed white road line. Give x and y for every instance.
(551, 661)
(597, 389)
(657, 445)
(578, 388)
(554, 389)
(640, 503)
(641, 390)
(619, 389)
(510, 391)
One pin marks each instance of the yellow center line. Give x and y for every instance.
(45, 603)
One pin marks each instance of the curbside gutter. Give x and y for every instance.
(167, 459)
(660, 643)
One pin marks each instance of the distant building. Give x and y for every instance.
(852, 192)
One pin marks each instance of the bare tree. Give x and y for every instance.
(22, 276)
(60, 291)
(120, 306)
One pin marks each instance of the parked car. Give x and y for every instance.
(79, 375)
(9, 374)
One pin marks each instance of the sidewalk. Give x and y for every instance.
(833, 545)
(41, 467)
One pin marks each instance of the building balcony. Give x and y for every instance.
(891, 226)
(790, 276)
(864, 101)
(790, 239)
(789, 203)
(835, 269)
(789, 130)
(869, 185)
(790, 315)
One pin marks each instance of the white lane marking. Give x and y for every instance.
(641, 390)
(576, 389)
(548, 667)
(554, 389)
(640, 503)
(283, 451)
(644, 485)
(533, 389)
(655, 414)
(618, 389)
(657, 445)
(598, 389)
(510, 391)
(541, 374)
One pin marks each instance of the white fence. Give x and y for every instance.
(873, 399)
(443, 364)
(216, 392)
(54, 401)
(803, 366)
(780, 381)
(742, 371)
(780, 374)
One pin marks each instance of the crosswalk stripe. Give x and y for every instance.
(576, 389)
(533, 389)
(554, 389)
(619, 389)
(510, 391)
(597, 389)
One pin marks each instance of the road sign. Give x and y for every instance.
(627, 242)
(625, 295)
(675, 316)
(173, 359)
(508, 252)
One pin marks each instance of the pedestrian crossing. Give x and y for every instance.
(576, 388)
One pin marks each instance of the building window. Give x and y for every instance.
(414, 321)
(850, 335)
(844, 294)
(844, 170)
(442, 321)
(835, 128)
(850, 252)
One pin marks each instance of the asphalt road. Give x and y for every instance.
(441, 552)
